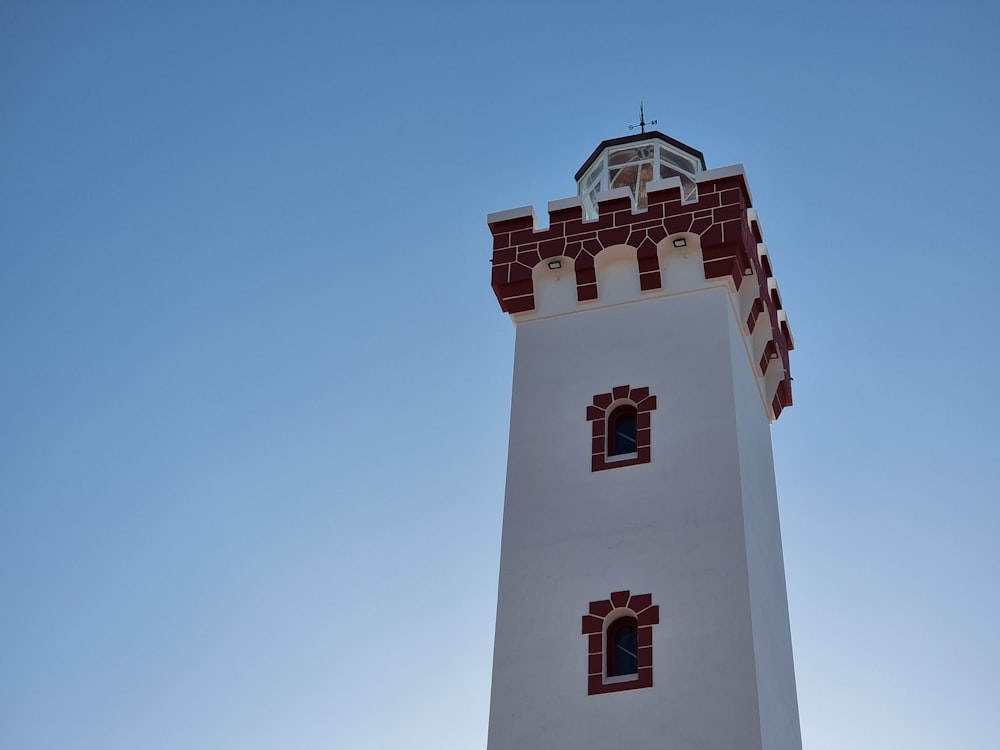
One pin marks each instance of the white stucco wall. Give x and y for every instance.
(765, 565)
(674, 528)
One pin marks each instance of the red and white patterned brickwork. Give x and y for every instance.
(722, 217)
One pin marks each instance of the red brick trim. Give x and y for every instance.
(597, 415)
(595, 626)
(728, 238)
(719, 218)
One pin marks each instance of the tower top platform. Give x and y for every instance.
(625, 211)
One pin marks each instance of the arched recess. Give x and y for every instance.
(682, 267)
(617, 274)
(554, 281)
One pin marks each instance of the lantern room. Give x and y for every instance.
(633, 162)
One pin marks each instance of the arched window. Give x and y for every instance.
(622, 431)
(622, 648)
(619, 633)
(620, 427)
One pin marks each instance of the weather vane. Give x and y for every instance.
(642, 121)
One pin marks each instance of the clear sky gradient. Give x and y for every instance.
(254, 385)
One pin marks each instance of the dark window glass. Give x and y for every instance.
(621, 431)
(623, 648)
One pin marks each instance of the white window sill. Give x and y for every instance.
(620, 457)
(621, 678)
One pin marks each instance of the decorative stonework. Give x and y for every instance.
(722, 217)
(594, 626)
(597, 415)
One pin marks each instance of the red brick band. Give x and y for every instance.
(729, 238)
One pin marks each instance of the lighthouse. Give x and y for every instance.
(642, 593)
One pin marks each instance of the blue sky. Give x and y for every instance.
(255, 386)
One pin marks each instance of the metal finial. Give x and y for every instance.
(642, 121)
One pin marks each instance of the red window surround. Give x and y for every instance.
(596, 625)
(597, 415)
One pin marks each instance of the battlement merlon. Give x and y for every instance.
(721, 215)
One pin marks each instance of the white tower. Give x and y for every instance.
(642, 592)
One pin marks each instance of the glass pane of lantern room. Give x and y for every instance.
(623, 156)
(625, 177)
(682, 162)
(689, 188)
(591, 183)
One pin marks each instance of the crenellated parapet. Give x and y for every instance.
(721, 217)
